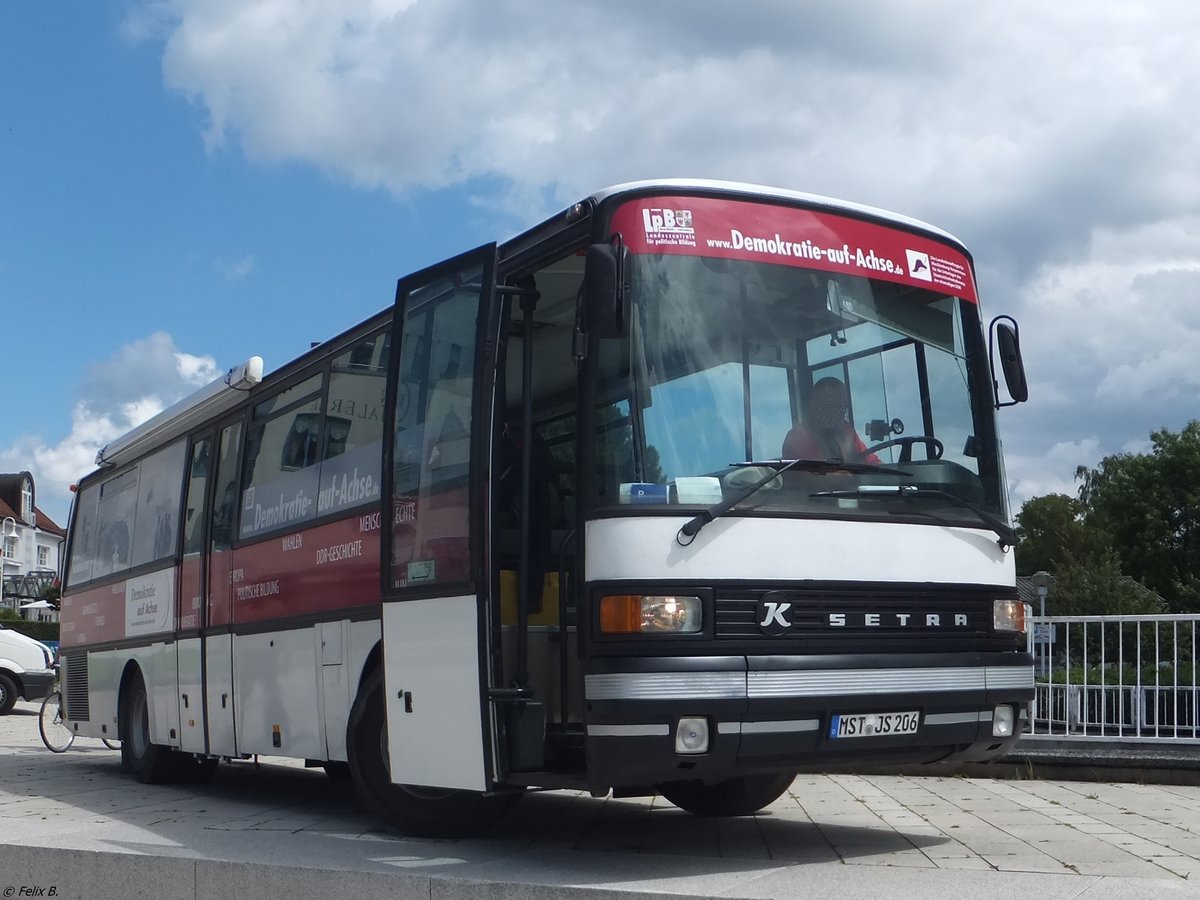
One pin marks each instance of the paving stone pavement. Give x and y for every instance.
(71, 822)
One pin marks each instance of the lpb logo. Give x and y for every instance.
(667, 220)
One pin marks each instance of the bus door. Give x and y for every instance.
(435, 648)
(217, 634)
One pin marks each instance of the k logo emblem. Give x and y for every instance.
(774, 615)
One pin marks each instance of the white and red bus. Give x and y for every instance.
(544, 523)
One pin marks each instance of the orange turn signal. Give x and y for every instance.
(621, 614)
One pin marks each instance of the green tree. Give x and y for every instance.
(1096, 586)
(1052, 530)
(1148, 504)
(51, 593)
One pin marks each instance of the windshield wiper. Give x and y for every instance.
(1008, 537)
(778, 467)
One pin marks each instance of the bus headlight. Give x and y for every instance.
(638, 614)
(1008, 615)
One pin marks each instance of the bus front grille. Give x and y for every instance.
(849, 618)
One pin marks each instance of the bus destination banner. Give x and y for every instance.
(731, 229)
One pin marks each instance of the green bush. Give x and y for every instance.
(39, 631)
(1111, 675)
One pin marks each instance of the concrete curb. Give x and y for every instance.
(71, 826)
(99, 875)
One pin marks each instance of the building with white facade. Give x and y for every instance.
(31, 546)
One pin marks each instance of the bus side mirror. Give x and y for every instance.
(606, 290)
(1007, 336)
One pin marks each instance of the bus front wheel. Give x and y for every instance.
(740, 796)
(149, 763)
(412, 809)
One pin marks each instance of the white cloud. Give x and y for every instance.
(1053, 142)
(1052, 472)
(138, 381)
(236, 271)
(877, 102)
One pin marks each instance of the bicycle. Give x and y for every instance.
(57, 737)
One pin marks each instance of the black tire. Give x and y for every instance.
(419, 811)
(148, 762)
(8, 694)
(57, 737)
(740, 796)
(337, 771)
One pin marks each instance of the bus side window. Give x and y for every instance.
(84, 539)
(155, 529)
(281, 472)
(197, 483)
(352, 446)
(433, 431)
(225, 502)
(300, 445)
(118, 508)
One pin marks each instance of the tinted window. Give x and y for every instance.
(118, 506)
(225, 495)
(281, 469)
(156, 524)
(193, 515)
(433, 433)
(353, 440)
(84, 535)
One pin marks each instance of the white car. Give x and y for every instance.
(26, 669)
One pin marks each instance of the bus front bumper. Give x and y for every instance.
(712, 718)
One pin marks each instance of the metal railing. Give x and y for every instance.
(1116, 678)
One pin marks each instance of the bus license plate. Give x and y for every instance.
(874, 724)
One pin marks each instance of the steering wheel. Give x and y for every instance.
(936, 448)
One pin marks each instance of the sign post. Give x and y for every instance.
(1043, 631)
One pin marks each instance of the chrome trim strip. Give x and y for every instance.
(628, 730)
(783, 727)
(793, 726)
(999, 677)
(957, 718)
(841, 682)
(665, 686)
(803, 683)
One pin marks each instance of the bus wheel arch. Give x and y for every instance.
(415, 810)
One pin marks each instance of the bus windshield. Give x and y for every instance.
(730, 363)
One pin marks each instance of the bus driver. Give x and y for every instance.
(825, 432)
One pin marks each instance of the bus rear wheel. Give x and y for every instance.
(148, 762)
(412, 809)
(740, 796)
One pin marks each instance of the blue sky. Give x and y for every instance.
(184, 183)
(118, 216)
(117, 222)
